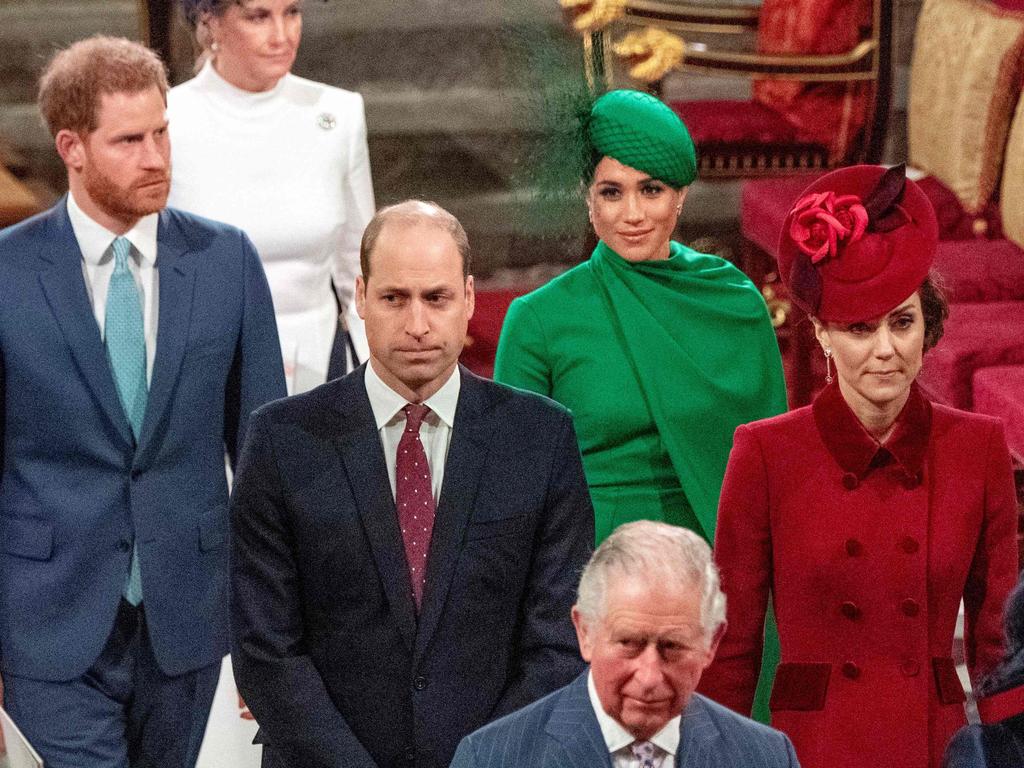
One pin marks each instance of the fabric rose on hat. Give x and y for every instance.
(822, 221)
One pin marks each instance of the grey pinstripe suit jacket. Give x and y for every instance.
(561, 731)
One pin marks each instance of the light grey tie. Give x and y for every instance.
(643, 751)
(124, 335)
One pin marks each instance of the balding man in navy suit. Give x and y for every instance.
(406, 538)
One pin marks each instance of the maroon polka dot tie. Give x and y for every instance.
(414, 498)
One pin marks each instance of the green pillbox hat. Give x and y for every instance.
(642, 132)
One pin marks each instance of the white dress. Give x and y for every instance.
(290, 167)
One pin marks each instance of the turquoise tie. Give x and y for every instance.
(125, 339)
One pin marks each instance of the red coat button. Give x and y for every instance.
(909, 667)
(910, 607)
(850, 481)
(909, 545)
(851, 670)
(854, 547)
(911, 480)
(850, 610)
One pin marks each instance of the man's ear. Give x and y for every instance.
(583, 634)
(470, 297)
(361, 296)
(71, 148)
(716, 639)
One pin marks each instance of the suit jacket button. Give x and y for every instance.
(420, 683)
(850, 610)
(124, 545)
(850, 481)
(909, 668)
(910, 607)
(410, 755)
(909, 545)
(851, 670)
(854, 547)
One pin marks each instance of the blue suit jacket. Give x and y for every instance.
(74, 485)
(561, 731)
(328, 649)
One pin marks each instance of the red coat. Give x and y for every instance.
(868, 552)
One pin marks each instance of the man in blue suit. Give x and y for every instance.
(649, 616)
(406, 538)
(134, 342)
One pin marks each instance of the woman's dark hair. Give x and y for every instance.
(934, 309)
(1010, 673)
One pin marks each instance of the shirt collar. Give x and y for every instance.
(856, 451)
(386, 403)
(94, 239)
(616, 737)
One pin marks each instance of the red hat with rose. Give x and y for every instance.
(857, 242)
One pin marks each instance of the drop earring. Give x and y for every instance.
(828, 364)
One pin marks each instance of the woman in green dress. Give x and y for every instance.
(659, 351)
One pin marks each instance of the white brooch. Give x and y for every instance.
(327, 121)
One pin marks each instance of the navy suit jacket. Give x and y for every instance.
(75, 486)
(561, 731)
(327, 647)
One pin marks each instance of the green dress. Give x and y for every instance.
(659, 362)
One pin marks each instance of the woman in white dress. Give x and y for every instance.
(285, 159)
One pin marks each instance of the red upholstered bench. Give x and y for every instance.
(981, 270)
(485, 329)
(758, 137)
(977, 336)
(999, 391)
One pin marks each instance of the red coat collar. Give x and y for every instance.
(1000, 706)
(857, 451)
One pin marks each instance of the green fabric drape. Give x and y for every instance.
(704, 354)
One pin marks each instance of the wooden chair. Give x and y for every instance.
(818, 101)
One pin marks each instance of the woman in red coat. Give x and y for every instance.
(868, 515)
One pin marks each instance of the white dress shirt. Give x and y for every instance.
(619, 740)
(435, 431)
(94, 240)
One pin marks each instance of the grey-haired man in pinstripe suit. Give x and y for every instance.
(649, 615)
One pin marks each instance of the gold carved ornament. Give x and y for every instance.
(651, 53)
(588, 16)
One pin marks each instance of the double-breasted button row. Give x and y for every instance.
(908, 668)
(908, 607)
(908, 545)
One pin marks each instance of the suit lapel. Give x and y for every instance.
(467, 454)
(363, 457)
(698, 735)
(177, 279)
(574, 728)
(64, 287)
